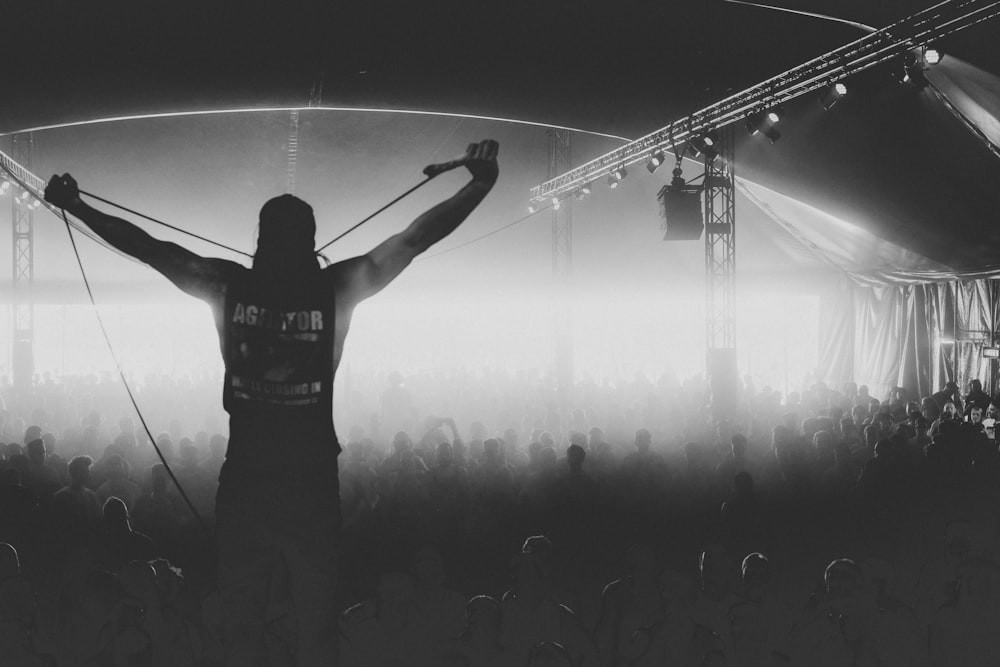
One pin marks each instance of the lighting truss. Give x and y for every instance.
(916, 31)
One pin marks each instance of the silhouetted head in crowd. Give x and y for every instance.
(116, 468)
(575, 455)
(32, 433)
(401, 442)
(595, 436)
(115, 515)
(286, 237)
(975, 415)
(482, 615)
(843, 578)
(738, 446)
(491, 452)
(36, 452)
(549, 654)
(444, 455)
(950, 410)
(10, 565)
(546, 439)
(159, 477)
(79, 471)
(643, 441)
(756, 575)
(859, 413)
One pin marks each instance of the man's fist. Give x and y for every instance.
(62, 191)
(480, 159)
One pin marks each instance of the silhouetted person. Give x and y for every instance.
(76, 510)
(118, 545)
(282, 326)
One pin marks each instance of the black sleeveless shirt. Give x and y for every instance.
(277, 346)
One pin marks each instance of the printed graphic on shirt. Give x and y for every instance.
(276, 357)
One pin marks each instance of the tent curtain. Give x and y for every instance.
(913, 336)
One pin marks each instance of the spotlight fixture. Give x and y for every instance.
(913, 71)
(655, 161)
(763, 123)
(775, 114)
(585, 188)
(25, 194)
(620, 173)
(5, 186)
(833, 95)
(931, 56)
(531, 209)
(36, 204)
(555, 204)
(612, 181)
(703, 144)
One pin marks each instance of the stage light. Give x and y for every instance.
(774, 115)
(585, 188)
(24, 194)
(620, 173)
(5, 186)
(555, 204)
(655, 161)
(763, 123)
(833, 95)
(932, 56)
(531, 209)
(913, 72)
(36, 204)
(703, 144)
(612, 181)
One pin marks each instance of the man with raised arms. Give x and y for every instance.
(282, 326)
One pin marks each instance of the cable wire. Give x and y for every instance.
(128, 389)
(480, 238)
(169, 226)
(411, 190)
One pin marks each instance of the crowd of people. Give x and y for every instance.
(487, 522)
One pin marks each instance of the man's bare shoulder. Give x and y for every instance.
(347, 278)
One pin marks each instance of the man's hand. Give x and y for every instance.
(480, 159)
(62, 191)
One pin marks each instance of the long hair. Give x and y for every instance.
(286, 238)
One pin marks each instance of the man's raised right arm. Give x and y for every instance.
(198, 276)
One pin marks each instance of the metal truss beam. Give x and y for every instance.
(891, 42)
(720, 246)
(22, 216)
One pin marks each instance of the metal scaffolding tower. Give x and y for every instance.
(720, 274)
(562, 268)
(23, 277)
